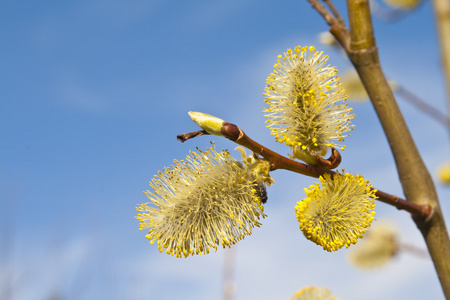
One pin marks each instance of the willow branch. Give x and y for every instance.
(422, 211)
(337, 25)
(323, 11)
(335, 12)
(281, 162)
(416, 181)
(186, 136)
(419, 252)
(417, 185)
(423, 106)
(278, 161)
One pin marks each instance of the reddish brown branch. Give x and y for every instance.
(421, 211)
(416, 181)
(277, 161)
(281, 162)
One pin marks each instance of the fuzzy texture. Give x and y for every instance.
(307, 109)
(313, 293)
(337, 212)
(201, 203)
(378, 247)
(403, 4)
(353, 85)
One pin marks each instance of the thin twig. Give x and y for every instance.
(419, 210)
(281, 162)
(419, 252)
(335, 12)
(186, 136)
(337, 27)
(322, 10)
(423, 106)
(278, 161)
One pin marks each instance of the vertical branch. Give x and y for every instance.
(415, 178)
(418, 185)
(442, 13)
(361, 31)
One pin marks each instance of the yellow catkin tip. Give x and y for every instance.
(379, 246)
(228, 192)
(348, 212)
(307, 102)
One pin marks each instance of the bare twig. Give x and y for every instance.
(186, 136)
(423, 211)
(419, 252)
(278, 161)
(337, 27)
(335, 12)
(423, 106)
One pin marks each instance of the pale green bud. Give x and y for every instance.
(210, 124)
(305, 156)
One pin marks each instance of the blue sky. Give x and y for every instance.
(93, 95)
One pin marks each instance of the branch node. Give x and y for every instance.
(230, 131)
(332, 162)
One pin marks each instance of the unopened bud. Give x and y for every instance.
(210, 124)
